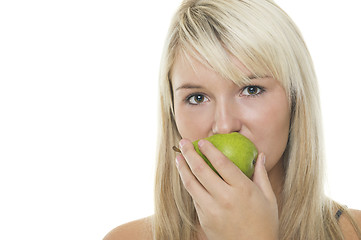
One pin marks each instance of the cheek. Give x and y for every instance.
(271, 135)
(192, 124)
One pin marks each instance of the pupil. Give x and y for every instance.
(252, 90)
(199, 98)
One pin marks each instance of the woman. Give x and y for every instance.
(239, 66)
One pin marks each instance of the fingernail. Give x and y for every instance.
(177, 159)
(264, 159)
(181, 143)
(200, 143)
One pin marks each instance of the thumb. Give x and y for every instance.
(260, 177)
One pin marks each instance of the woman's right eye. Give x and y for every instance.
(196, 99)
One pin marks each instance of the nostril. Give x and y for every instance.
(227, 122)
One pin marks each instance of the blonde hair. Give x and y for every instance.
(261, 36)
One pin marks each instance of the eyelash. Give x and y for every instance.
(189, 97)
(260, 90)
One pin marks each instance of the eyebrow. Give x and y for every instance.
(188, 86)
(192, 86)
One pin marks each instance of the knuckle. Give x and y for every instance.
(226, 201)
(187, 184)
(247, 191)
(186, 146)
(213, 214)
(198, 168)
(220, 162)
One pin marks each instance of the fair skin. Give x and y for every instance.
(206, 104)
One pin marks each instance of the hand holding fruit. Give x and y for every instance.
(231, 207)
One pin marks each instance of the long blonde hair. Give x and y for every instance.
(261, 36)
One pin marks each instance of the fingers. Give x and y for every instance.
(260, 177)
(198, 170)
(203, 183)
(191, 184)
(230, 173)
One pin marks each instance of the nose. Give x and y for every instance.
(227, 119)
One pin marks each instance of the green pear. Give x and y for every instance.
(236, 147)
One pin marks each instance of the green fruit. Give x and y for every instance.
(236, 147)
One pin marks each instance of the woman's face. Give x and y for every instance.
(207, 104)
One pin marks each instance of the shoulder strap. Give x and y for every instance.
(338, 214)
(350, 218)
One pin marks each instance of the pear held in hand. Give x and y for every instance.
(236, 147)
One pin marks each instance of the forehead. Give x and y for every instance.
(188, 68)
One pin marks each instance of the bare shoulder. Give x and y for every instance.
(139, 229)
(348, 226)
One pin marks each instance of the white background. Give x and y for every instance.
(78, 104)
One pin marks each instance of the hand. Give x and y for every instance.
(234, 207)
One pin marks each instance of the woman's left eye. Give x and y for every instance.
(252, 91)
